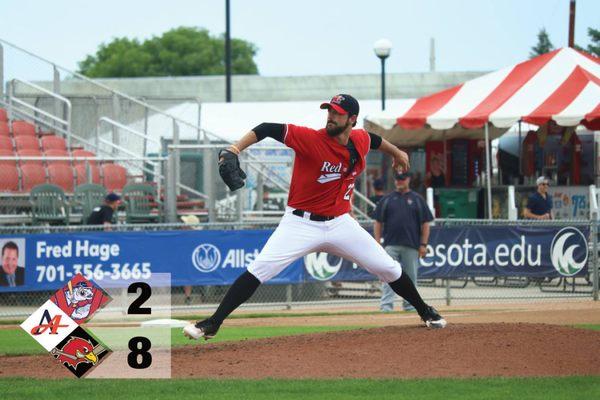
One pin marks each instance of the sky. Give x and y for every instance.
(308, 37)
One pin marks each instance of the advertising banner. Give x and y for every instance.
(47, 261)
(455, 252)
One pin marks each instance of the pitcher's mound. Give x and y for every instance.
(460, 350)
(401, 352)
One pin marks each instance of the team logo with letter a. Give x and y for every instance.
(49, 325)
(319, 267)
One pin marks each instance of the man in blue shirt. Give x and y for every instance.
(539, 204)
(402, 220)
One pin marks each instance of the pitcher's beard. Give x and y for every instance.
(336, 130)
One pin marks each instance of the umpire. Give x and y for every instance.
(402, 220)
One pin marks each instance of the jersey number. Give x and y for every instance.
(349, 191)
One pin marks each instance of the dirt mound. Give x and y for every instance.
(397, 352)
(468, 350)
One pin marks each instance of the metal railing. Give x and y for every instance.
(265, 171)
(12, 99)
(247, 159)
(176, 121)
(115, 124)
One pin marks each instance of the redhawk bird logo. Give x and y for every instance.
(77, 351)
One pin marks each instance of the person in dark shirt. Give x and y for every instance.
(378, 189)
(539, 204)
(103, 215)
(436, 178)
(402, 220)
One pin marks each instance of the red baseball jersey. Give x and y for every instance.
(321, 182)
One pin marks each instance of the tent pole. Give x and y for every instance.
(445, 158)
(488, 164)
(520, 155)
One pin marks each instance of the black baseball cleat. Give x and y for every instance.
(433, 319)
(205, 328)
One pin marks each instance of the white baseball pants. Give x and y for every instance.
(342, 236)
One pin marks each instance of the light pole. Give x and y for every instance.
(382, 48)
(227, 53)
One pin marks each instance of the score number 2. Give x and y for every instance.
(139, 356)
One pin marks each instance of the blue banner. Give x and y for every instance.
(47, 261)
(471, 250)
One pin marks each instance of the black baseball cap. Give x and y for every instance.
(378, 184)
(112, 197)
(343, 104)
(403, 175)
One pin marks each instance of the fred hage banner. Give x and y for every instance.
(47, 261)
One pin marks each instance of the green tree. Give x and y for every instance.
(543, 46)
(182, 51)
(594, 46)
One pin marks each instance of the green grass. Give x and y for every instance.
(18, 342)
(430, 389)
(283, 314)
(594, 327)
(233, 333)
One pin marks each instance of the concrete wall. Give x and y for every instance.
(259, 88)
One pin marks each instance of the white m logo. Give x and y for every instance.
(319, 268)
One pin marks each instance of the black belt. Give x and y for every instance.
(313, 217)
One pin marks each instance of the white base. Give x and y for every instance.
(171, 323)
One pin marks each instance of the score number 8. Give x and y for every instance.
(139, 356)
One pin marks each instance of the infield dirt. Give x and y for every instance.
(534, 339)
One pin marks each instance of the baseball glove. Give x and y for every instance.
(230, 171)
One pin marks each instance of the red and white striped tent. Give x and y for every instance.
(563, 86)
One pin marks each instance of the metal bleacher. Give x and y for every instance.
(51, 131)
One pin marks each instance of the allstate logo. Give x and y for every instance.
(206, 257)
(319, 267)
(564, 245)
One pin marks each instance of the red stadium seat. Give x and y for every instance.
(6, 143)
(23, 128)
(3, 115)
(9, 179)
(61, 175)
(30, 153)
(32, 175)
(4, 128)
(53, 142)
(83, 154)
(57, 153)
(81, 174)
(7, 153)
(114, 177)
(27, 142)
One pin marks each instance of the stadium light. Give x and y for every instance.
(382, 48)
